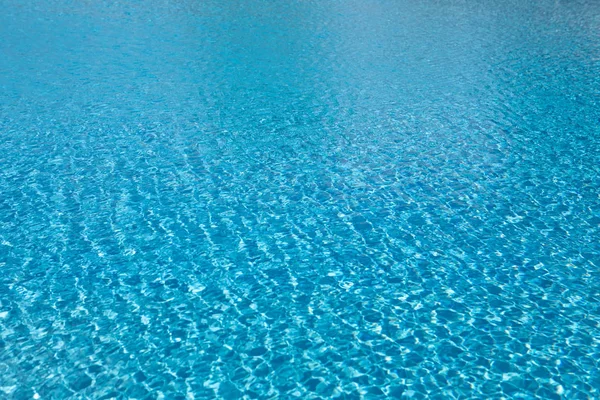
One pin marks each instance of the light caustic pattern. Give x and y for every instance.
(310, 199)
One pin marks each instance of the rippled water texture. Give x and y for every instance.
(312, 199)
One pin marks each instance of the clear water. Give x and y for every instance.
(313, 199)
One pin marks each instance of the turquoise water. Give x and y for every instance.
(302, 199)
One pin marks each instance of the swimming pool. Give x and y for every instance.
(312, 199)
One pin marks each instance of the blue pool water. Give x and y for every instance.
(300, 199)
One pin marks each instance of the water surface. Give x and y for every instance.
(312, 199)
